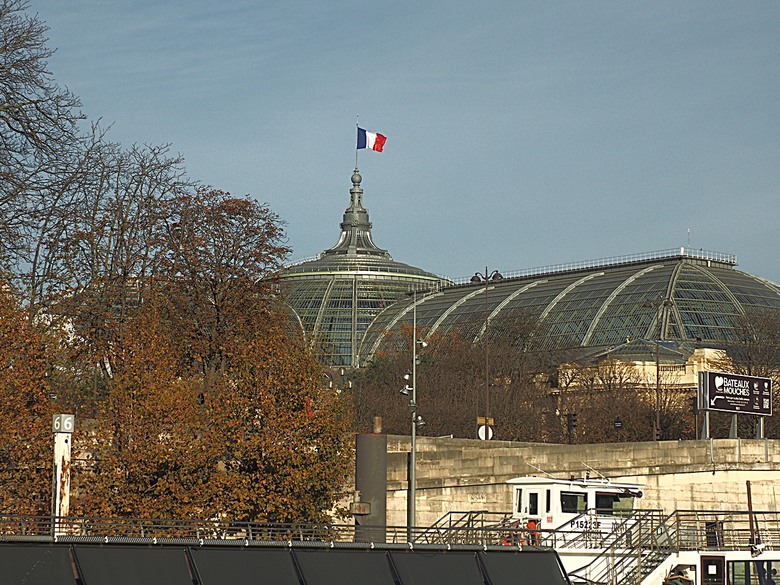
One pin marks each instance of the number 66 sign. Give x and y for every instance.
(63, 423)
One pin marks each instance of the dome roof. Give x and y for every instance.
(337, 295)
(679, 295)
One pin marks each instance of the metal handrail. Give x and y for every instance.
(654, 538)
(470, 527)
(719, 257)
(12, 526)
(21, 527)
(682, 252)
(639, 546)
(594, 538)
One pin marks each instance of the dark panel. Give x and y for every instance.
(128, 565)
(244, 566)
(437, 568)
(35, 565)
(343, 567)
(524, 568)
(371, 482)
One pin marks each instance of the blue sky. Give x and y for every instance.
(520, 134)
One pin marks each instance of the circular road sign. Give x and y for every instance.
(485, 432)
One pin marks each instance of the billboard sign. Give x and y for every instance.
(735, 393)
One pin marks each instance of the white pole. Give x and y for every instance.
(62, 427)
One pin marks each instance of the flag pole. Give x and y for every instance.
(357, 126)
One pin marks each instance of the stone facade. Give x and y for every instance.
(458, 475)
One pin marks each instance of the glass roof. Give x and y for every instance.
(681, 297)
(350, 296)
(337, 295)
(336, 309)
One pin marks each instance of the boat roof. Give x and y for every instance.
(583, 483)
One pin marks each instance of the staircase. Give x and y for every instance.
(635, 546)
(480, 527)
(643, 542)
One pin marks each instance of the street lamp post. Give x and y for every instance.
(487, 277)
(417, 421)
(658, 305)
(657, 434)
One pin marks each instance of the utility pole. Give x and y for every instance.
(658, 305)
(485, 426)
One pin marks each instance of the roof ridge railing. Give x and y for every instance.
(682, 252)
(406, 271)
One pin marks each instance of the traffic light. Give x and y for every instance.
(571, 423)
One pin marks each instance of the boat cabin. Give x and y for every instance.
(573, 504)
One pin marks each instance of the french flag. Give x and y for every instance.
(370, 140)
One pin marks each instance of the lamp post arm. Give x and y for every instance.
(411, 520)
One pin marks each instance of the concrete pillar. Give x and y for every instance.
(371, 483)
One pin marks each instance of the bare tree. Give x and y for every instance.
(755, 352)
(600, 394)
(451, 377)
(38, 127)
(615, 400)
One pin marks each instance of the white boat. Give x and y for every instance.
(603, 536)
(563, 505)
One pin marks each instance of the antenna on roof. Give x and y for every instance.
(596, 471)
(539, 469)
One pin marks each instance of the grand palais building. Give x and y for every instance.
(352, 295)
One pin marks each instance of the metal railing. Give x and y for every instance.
(20, 526)
(644, 542)
(25, 527)
(473, 527)
(682, 252)
(640, 545)
(719, 257)
(633, 547)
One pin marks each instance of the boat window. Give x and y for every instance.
(750, 572)
(605, 502)
(624, 505)
(614, 504)
(548, 502)
(533, 503)
(519, 501)
(573, 503)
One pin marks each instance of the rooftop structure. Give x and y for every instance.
(337, 295)
(683, 296)
(351, 295)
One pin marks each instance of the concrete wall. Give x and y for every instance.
(470, 475)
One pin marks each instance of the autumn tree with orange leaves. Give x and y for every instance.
(149, 451)
(220, 252)
(25, 409)
(284, 433)
(213, 404)
(193, 395)
(263, 441)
